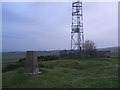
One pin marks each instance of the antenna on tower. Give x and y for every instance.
(77, 35)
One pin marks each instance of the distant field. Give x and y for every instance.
(115, 54)
(12, 57)
(84, 73)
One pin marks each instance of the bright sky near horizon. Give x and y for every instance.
(47, 25)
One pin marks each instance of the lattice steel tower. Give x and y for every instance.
(77, 35)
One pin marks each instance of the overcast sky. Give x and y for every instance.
(47, 25)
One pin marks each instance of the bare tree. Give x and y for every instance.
(90, 48)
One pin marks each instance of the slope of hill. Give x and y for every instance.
(113, 49)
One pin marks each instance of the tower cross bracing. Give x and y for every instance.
(77, 35)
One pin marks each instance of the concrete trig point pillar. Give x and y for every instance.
(31, 65)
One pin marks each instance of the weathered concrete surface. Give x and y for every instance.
(31, 65)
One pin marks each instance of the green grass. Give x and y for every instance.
(84, 73)
(115, 54)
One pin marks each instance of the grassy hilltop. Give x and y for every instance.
(74, 73)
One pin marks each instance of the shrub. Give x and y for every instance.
(47, 58)
(42, 58)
